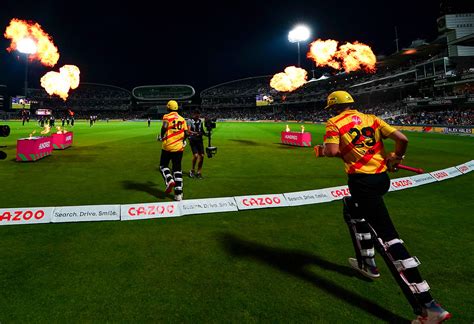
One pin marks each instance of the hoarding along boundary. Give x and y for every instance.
(91, 213)
(454, 130)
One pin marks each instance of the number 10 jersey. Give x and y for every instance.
(173, 140)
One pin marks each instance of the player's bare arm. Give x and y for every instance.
(163, 129)
(331, 150)
(401, 143)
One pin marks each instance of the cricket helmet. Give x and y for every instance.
(172, 105)
(339, 97)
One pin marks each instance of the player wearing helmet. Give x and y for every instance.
(357, 138)
(173, 133)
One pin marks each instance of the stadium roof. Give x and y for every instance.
(235, 81)
(467, 40)
(163, 92)
(104, 85)
(392, 76)
(410, 54)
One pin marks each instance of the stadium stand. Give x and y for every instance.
(89, 97)
(159, 93)
(421, 84)
(150, 100)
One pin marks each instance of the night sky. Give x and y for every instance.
(205, 43)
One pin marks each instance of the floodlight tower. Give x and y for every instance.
(28, 47)
(299, 34)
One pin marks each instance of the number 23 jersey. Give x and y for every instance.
(360, 140)
(174, 135)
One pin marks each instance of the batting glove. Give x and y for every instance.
(393, 161)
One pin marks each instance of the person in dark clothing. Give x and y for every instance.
(196, 133)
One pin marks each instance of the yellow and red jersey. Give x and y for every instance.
(174, 135)
(360, 140)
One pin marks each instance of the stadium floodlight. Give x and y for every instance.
(28, 47)
(299, 34)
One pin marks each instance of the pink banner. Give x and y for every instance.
(62, 141)
(33, 149)
(296, 138)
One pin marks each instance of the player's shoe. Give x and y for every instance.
(191, 174)
(199, 176)
(178, 197)
(433, 313)
(170, 186)
(366, 270)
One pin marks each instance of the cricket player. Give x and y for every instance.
(357, 139)
(173, 133)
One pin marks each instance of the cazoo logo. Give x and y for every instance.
(402, 183)
(344, 192)
(440, 175)
(152, 210)
(19, 215)
(261, 201)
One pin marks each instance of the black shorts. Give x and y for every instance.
(197, 146)
(174, 157)
(367, 191)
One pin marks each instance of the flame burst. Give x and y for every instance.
(46, 130)
(409, 51)
(290, 80)
(60, 83)
(61, 130)
(348, 57)
(47, 53)
(323, 52)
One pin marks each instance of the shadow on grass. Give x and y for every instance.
(148, 187)
(77, 158)
(246, 142)
(285, 146)
(296, 263)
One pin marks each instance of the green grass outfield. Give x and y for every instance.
(272, 265)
